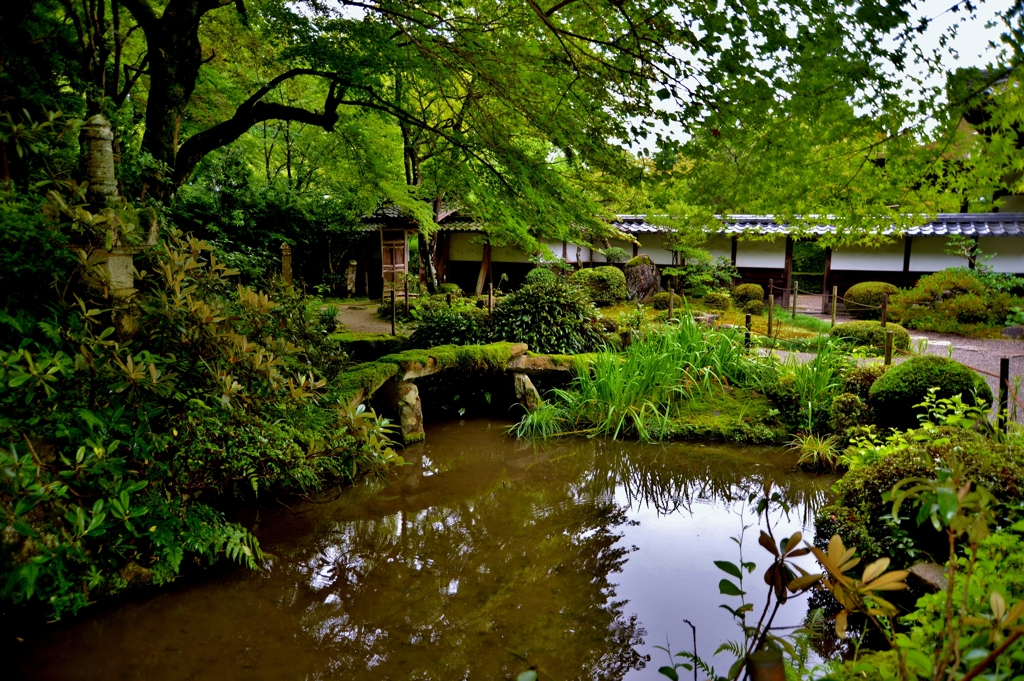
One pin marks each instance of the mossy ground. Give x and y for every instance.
(729, 415)
(788, 330)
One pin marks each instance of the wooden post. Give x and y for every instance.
(1004, 392)
(771, 311)
(449, 300)
(885, 308)
(796, 294)
(671, 303)
(835, 299)
(490, 297)
(747, 339)
(771, 287)
(888, 347)
(407, 296)
(393, 312)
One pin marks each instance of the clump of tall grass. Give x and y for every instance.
(638, 391)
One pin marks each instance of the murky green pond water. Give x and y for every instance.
(580, 555)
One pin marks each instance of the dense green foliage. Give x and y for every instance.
(443, 325)
(550, 317)
(605, 285)
(955, 300)
(864, 300)
(896, 394)
(665, 384)
(745, 293)
(118, 450)
(702, 274)
(870, 334)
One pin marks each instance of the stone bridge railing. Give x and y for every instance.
(392, 377)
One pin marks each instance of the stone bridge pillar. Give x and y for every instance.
(402, 398)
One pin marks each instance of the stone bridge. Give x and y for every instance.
(392, 377)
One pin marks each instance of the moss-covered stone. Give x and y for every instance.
(356, 385)
(366, 347)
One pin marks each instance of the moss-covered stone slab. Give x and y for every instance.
(367, 347)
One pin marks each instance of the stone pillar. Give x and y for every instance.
(526, 393)
(403, 401)
(350, 277)
(286, 263)
(97, 146)
(116, 265)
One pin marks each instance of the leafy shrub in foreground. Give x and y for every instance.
(550, 317)
(864, 297)
(114, 452)
(859, 512)
(604, 285)
(540, 274)
(744, 293)
(894, 396)
(871, 334)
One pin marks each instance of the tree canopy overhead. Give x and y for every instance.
(532, 115)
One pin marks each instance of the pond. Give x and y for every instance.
(578, 555)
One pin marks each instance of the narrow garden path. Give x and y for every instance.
(362, 318)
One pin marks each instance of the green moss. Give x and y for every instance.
(729, 416)
(639, 260)
(366, 347)
(364, 379)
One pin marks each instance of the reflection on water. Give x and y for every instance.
(580, 556)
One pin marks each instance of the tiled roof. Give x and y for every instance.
(945, 224)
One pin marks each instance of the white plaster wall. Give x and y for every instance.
(463, 247)
(927, 254)
(761, 253)
(616, 243)
(720, 246)
(884, 258)
(1008, 252)
(512, 254)
(651, 246)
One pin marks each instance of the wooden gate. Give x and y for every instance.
(394, 250)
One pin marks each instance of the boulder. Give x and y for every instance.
(1014, 332)
(642, 278)
(929, 576)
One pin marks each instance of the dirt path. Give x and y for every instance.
(362, 318)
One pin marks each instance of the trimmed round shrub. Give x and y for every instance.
(744, 293)
(449, 326)
(605, 285)
(871, 334)
(717, 301)
(754, 307)
(894, 395)
(550, 317)
(858, 380)
(539, 274)
(660, 300)
(861, 299)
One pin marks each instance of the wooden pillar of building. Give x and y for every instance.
(907, 244)
(788, 275)
(735, 245)
(286, 263)
(485, 270)
(825, 290)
